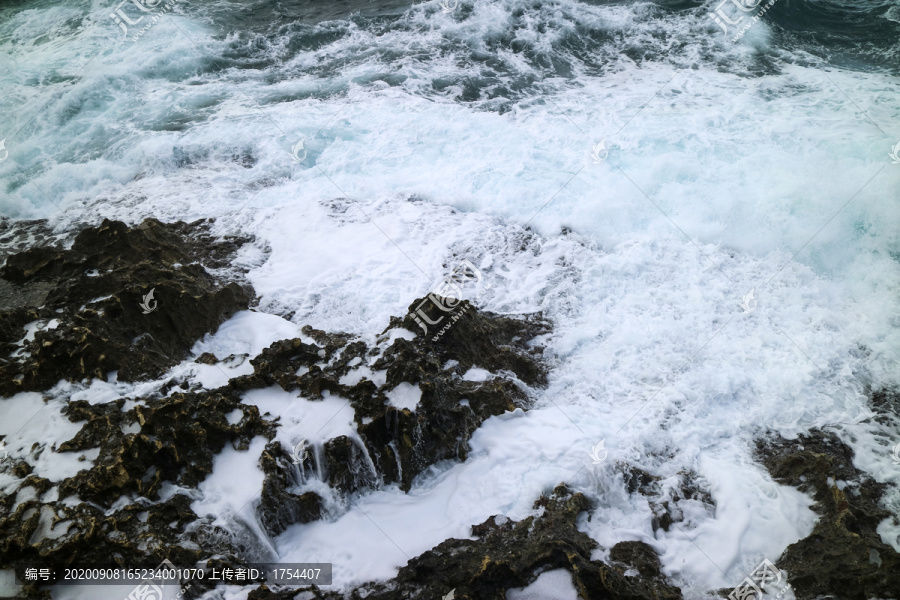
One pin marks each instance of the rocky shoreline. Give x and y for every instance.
(82, 312)
(508, 554)
(844, 556)
(84, 299)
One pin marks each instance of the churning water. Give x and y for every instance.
(624, 167)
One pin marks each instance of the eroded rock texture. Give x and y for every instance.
(395, 445)
(668, 498)
(84, 304)
(508, 554)
(131, 505)
(177, 438)
(844, 556)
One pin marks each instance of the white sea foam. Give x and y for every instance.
(651, 350)
(405, 395)
(550, 585)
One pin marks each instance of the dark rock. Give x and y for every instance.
(480, 338)
(176, 440)
(887, 401)
(94, 292)
(403, 443)
(347, 466)
(638, 555)
(331, 342)
(512, 555)
(137, 534)
(399, 444)
(666, 497)
(278, 507)
(639, 480)
(173, 434)
(279, 363)
(207, 358)
(492, 525)
(21, 469)
(844, 556)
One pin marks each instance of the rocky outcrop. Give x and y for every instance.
(81, 306)
(886, 402)
(667, 497)
(84, 304)
(278, 506)
(178, 437)
(639, 556)
(508, 554)
(394, 445)
(132, 504)
(175, 441)
(844, 557)
(75, 313)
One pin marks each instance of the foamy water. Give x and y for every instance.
(432, 137)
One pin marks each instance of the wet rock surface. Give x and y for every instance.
(844, 557)
(479, 338)
(173, 439)
(395, 445)
(278, 506)
(84, 303)
(417, 396)
(131, 504)
(176, 441)
(179, 437)
(668, 498)
(886, 402)
(508, 554)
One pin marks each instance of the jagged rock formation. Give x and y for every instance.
(844, 556)
(177, 439)
(113, 511)
(278, 506)
(886, 401)
(85, 304)
(666, 497)
(508, 554)
(394, 445)
(83, 307)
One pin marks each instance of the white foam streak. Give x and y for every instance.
(715, 184)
